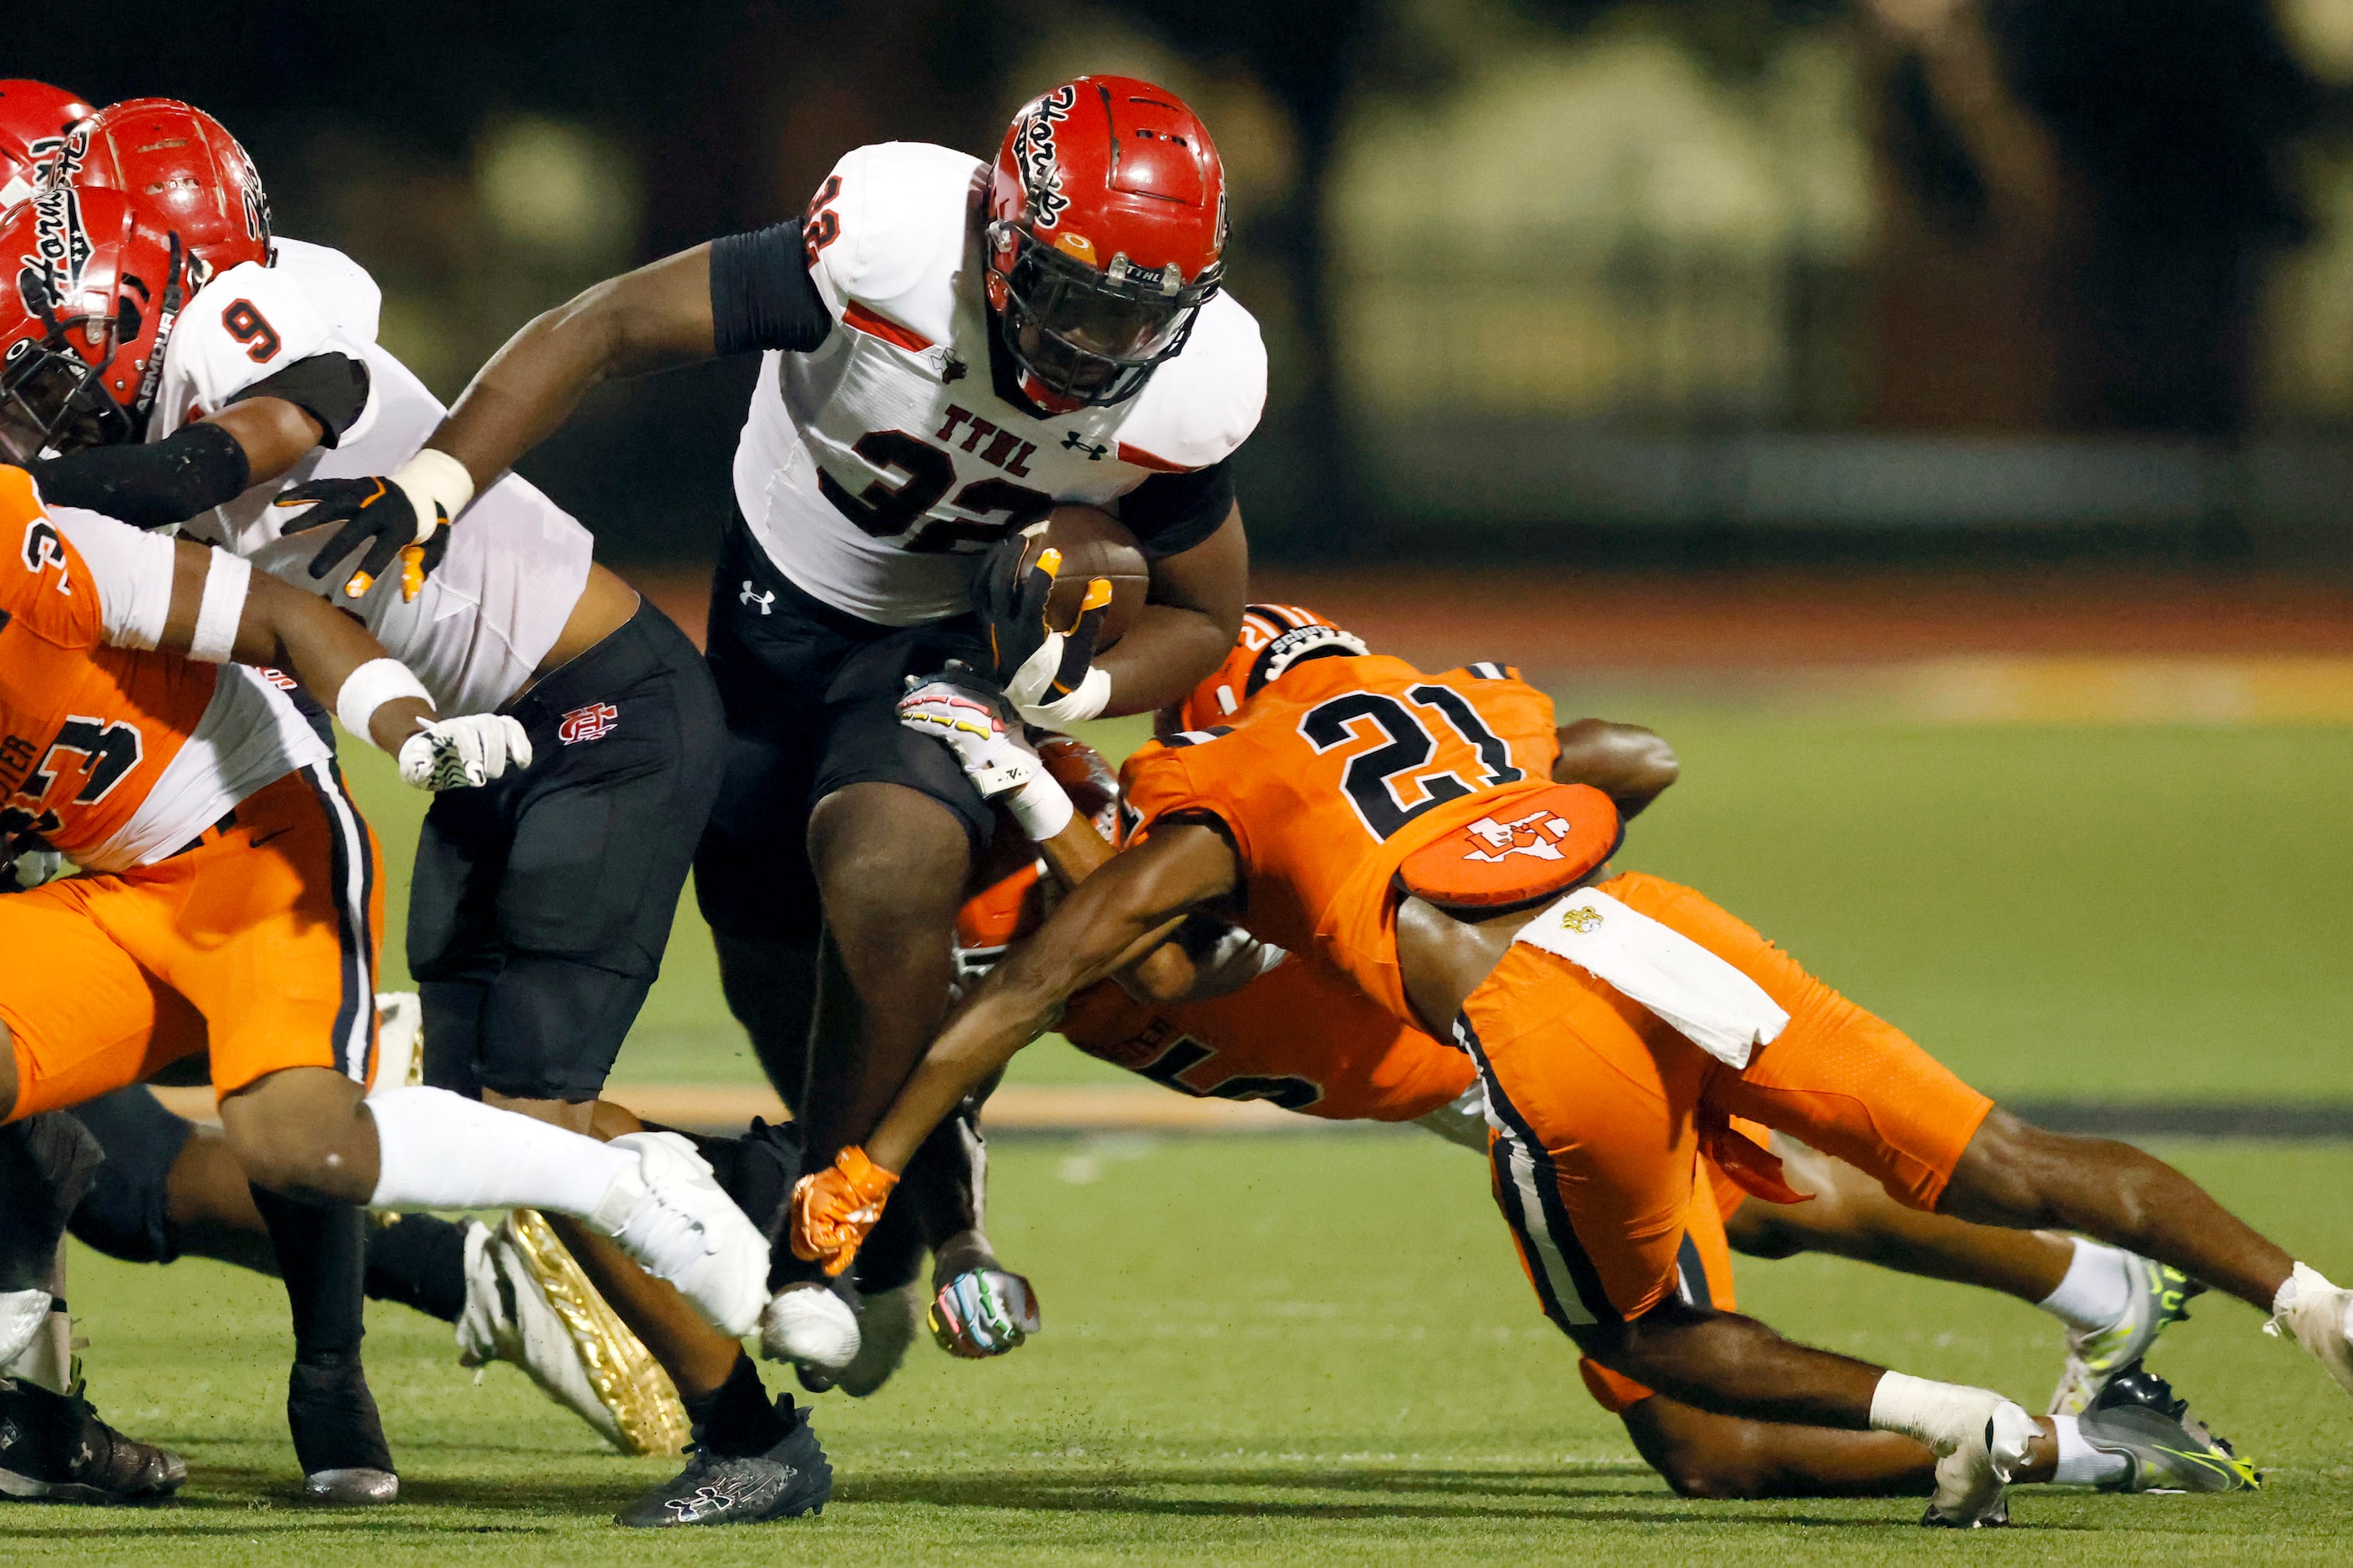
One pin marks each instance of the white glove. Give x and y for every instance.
(30, 869)
(984, 1312)
(962, 715)
(967, 716)
(1035, 681)
(464, 752)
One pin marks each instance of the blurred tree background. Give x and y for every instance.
(1586, 268)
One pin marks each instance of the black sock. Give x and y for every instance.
(737, 1417)
(322, 1255)
(419, 1261)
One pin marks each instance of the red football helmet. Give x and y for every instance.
(186, 165)
(83, 320)
(1106, 236)
(33, 119)
(1275, 638)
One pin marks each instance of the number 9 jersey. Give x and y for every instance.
(1332, 776)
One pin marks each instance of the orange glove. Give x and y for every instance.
(833, 1211)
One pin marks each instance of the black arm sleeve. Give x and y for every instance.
(331, 388)
(189, 471)
(1170, 514)
(762, 296)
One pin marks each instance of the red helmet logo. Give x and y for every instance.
(1106, 236)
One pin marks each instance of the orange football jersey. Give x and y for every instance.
(1331, 777)
(86, 730)
(1299, 1035)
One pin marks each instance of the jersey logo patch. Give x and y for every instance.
(1074, 442)
(1537, 833)
(593, 723)
(751, 595)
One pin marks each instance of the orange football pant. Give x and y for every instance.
(259, 941)
(1598, 1167)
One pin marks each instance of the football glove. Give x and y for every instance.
(401, 517)
(1048, 675)
(464, 752)
(833, 1210)
(970, 718)
(984, 1312)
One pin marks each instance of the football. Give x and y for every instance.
(1094, 544)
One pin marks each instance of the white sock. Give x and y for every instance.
(2080, 1463)
(435, 1150)
(2097, 1290)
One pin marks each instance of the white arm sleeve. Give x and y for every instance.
(133, 570)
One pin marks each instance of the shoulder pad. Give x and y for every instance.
(339, 286)
(244, 326)
(1200, 405)
(901, 225)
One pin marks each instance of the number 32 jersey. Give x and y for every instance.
(876, 469)
(1331, 777)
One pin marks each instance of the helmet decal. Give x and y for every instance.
(61, 247)
(1033, 148)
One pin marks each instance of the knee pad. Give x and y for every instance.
(126, 1212)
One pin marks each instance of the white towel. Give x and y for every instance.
(1713, 1004)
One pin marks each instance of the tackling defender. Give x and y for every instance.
(949, 348)
(1399, 824)
(541, 904)
(228, 904)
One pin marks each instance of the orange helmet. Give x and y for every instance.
(1275, 638)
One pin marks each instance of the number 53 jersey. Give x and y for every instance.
(876, 469)
(1331, 777)
(112, 753)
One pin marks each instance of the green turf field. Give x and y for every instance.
(1309, 1348)
(1319, 1347)
(2086, 913)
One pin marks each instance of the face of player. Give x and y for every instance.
(56, 401)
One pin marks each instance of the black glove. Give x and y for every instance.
(1048, 674)
(374, 512)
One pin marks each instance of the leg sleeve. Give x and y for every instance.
(127, 1211)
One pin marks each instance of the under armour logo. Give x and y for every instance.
(952, 371)
(751, 595)
(1074, 442)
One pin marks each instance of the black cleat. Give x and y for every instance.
(790, 1479)
(2169, 1449)
(54, 1449)
(338, 1437)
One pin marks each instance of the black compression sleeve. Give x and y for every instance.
(331, 388)
(1170, 514)
(151, 486)
(762, 296)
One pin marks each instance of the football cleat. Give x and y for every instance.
(528, 1303)
(790, 1479)
(676, 1223)
(2169, 1449)
(339, 1436)
(54, 1449)
(2320, 1318)
(811, 1327)
(887, 1320)
(1972, 1482)
(400, 1041)
(2161, 1296)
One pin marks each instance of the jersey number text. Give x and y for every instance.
(1381, 782)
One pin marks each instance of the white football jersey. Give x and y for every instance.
(516, 561)
(877, 468)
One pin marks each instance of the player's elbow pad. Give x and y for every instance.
(151, 486)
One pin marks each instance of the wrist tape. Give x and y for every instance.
(369, 687)
(434, 477)
(1042, 807)
(227, 580)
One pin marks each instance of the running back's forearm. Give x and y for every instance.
(1164, 972)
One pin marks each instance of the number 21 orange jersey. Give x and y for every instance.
(1331, 777)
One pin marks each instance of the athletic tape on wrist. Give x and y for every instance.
(1042, 807)
(369, 687)
(228, 579)
(433, 477)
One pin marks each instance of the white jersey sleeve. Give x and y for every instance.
(1200, 405)
(242, 328)
(132, 571)
(883, 248)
